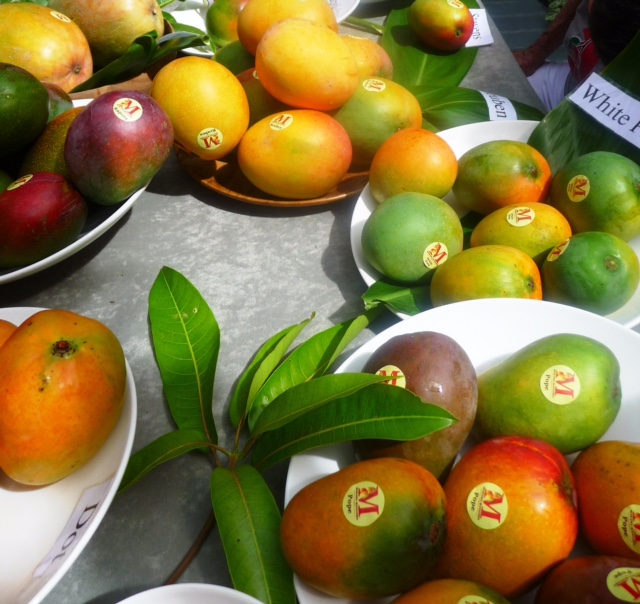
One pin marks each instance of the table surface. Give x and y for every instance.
(261, 269)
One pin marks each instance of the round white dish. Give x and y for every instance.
(461, 140)
(193, 593)
(99, 221)
(44, 529)
(488, 330)
(193, 13)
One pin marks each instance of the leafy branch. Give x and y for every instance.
(286, 402)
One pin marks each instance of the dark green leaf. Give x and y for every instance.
(169, 446)
(567, 131)
(142, 54)
(376, 411)
(305, 397)
(398, 298)
(448, 107)
(312, 358)
(249, 522)
(414, 63)
(186, 339)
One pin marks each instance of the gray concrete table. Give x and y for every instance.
(260, 269)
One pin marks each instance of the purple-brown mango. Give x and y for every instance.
(117, 145)
(436, 368)
(40, 214)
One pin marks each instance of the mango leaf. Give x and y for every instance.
(567, 131)
(414, 63)
(448, 107)
(142, 54)
(262, 366)
(376, 411)
(397, 298)
(305, 397)
(166, 447)
(312, 358)
(248, 519)
(186, 339)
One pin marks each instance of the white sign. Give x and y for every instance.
(500, 108)
(610, 106)
(481, 35)
(76, 526)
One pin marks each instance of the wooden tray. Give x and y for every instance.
(226, 178)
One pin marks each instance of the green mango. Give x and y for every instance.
(564, 389)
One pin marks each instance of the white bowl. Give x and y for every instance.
(488, 330)
(191, 593)
(44, 529)
(461, 140)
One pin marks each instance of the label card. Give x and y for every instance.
(481, 35)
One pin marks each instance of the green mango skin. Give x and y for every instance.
(390, 555)
(511, 400)
(613, 200)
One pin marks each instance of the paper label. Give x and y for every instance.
(629, 526)
(23, 180)
(578, 188)
(520, 216)
(210, 138)
(281, 121)
(624, 583)
(610, 106)
(395, 375)
(557, 251)
(79, 521)
(435, 254)
(560, 384)
(374, 85)
(487, 505)
(481, 35)
(363, 503)
(473, 600)
(56, 15)
(128, 110)
(500, 108)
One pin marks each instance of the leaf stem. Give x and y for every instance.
(204, 533)
(369, 26)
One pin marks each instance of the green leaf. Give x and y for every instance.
(567, 131)
(414, 63)
(305, 397)
(312, 358)
(167, 447)
(186, 339)
(376, 411)
(397, 298)
(248, 519)
(262, 366)
(142, 54)
(448, 107)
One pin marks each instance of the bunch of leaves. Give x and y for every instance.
(285, 402)
(568, 131)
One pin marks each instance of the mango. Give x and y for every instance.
(436, 368)
(564, 389)
(371, 530)
(40, 214)
(117, 145)
(597, 579)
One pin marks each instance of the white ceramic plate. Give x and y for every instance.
(462, 139)
(99, 221)
(488, 330)
(193, 13)
(193, 593)
(39, 523)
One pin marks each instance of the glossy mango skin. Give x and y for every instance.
(392, 554)
(62, 385)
